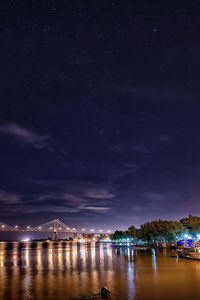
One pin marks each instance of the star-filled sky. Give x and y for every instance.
(99, 114)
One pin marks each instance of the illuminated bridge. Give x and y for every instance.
(55, 227)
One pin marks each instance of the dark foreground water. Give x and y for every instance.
(64, 271)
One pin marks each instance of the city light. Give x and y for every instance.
(92, 230)
(26, 240)
(83, 229)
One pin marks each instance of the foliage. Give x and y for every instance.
(151, 232)
(192, 224)
(132, 231)
(162, 231)
(119, 235)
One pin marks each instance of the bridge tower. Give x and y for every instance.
(55, 229)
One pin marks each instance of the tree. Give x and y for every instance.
(132, 231)
(192, 224)
(160, 231)
(119, 235)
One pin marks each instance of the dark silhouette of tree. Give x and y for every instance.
(119, 235)
(160, 231)
(192, 224)
(132, 231)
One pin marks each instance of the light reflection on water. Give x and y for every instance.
(66, 270)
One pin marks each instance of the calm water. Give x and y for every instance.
(63, 271)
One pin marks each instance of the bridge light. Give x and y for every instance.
(100, 230)
(39, 227)
(60, 228)
(16, 226)
(50, 227)
(92, 230)
(74, 229)
(108, 231)
(3, 226)
(83, 229)
(28, 227)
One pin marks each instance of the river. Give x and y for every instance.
(48, 271)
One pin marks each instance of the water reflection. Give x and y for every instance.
(65, 270)
(154, 260)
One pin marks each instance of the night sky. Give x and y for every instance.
(99, 115)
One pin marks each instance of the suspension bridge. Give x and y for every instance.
(55, 227)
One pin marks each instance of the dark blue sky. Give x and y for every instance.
(99, 115)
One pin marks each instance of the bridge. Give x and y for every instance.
(55, 227)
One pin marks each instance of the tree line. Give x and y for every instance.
(161, 230)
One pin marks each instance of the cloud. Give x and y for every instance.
(134, 147)
(97, 208)
(71, 198)
(99, 193)
(126, 169)
(63, 202)
(157, 96)
(155, 196)
(7, 197)
(32, 208)
(25, 135)
(165, 139)
(141, 149)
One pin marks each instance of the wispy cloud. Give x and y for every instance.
(155, 196)
(8, 197)
(26, 136)
(165, 139)
(167, 96)
(97, 208)
(134, 147)
(59, 198)
(99, 193)
(125, 169)
(72, 199)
